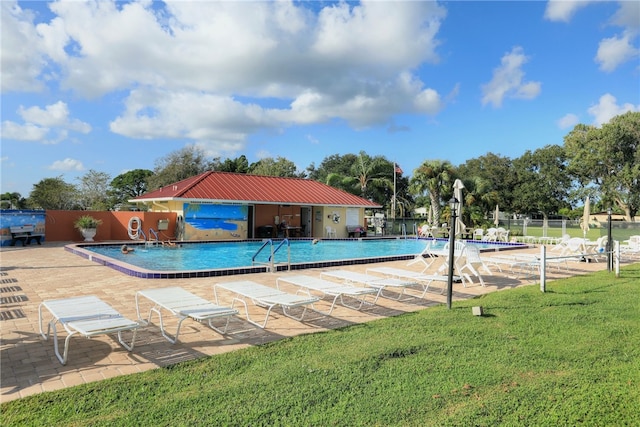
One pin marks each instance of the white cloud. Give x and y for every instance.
(563, 10)
(67, 165)
(607, 108)
(508, 80)
(615, 51)
(52, 116)
(49, 125)
(612, 51)
(22, 66)
(26, 132)
(184, 76)
(568, 121)
(627, 15)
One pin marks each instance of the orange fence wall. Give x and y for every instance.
(59, 225)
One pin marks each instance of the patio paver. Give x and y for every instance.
(35, 273)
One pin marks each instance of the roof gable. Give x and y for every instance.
(235, 187)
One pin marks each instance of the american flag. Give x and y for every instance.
(398, 170)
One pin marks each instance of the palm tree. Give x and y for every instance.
(366, 172)
(434, 177)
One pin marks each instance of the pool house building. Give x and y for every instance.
(223, 205)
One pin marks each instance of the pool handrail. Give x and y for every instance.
(266, 242)
(271, 258)
(279, 246)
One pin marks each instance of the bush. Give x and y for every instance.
(86, 222)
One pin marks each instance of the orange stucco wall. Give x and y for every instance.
(59, 225)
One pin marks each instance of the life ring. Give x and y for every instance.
(134, 233)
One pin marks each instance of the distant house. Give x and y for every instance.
(222, 205)
(601, 218)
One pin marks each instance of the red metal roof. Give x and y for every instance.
(235, 187)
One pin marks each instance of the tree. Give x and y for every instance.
(494, 180)
(53, 193)
(333, 164)
(93, 191)
(275, 167)
(434, 177)
(609, 158)
(178, 165)
(12, 201)
(129, 185)
(479, 199)
(237, 165)
(543, 183)
(368, 177)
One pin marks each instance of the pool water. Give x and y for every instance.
(227, 255)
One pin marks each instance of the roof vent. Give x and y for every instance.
(175, 188)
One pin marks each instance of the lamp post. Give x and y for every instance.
(453, 204)
(609, 242)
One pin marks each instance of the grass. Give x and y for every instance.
(566, 357)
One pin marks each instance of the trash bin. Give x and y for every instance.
(265, 231)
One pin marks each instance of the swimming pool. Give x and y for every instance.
(239, 257)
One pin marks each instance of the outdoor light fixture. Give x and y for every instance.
(609, 242)
(453, 205)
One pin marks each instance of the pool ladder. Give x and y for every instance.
(150, 242)
(271, 265)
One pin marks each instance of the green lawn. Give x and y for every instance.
(570, 356)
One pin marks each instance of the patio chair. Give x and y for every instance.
(631, 246)
(502, 234)
(425, 256)
(518, 264)
(264, 296)
(473, 263)
(376, 282)
(425, 231)
(325, 288)
(183, 305)
(425, 279)
(330, 232)
(576, 247)
(491, 235)
(478, 233)
(87, 316)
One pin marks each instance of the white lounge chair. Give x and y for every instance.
(473, 263)
(631, 246)
(87, 316)
(183, 305)
(426, 256)
(424, 279)
(576, 248)
(518, 265)
(491, 235)
(331, 232)
(326, 288)
(376, 282)
(264, 296)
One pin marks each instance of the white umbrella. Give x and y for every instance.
(496, 216)
(457, 193)
(585, 216)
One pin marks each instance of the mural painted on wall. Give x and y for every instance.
(12, 218)
(207, 222)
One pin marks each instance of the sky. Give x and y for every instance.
(116, 86)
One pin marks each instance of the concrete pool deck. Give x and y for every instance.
(32, 274)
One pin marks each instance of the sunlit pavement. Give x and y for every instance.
(34, 273)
